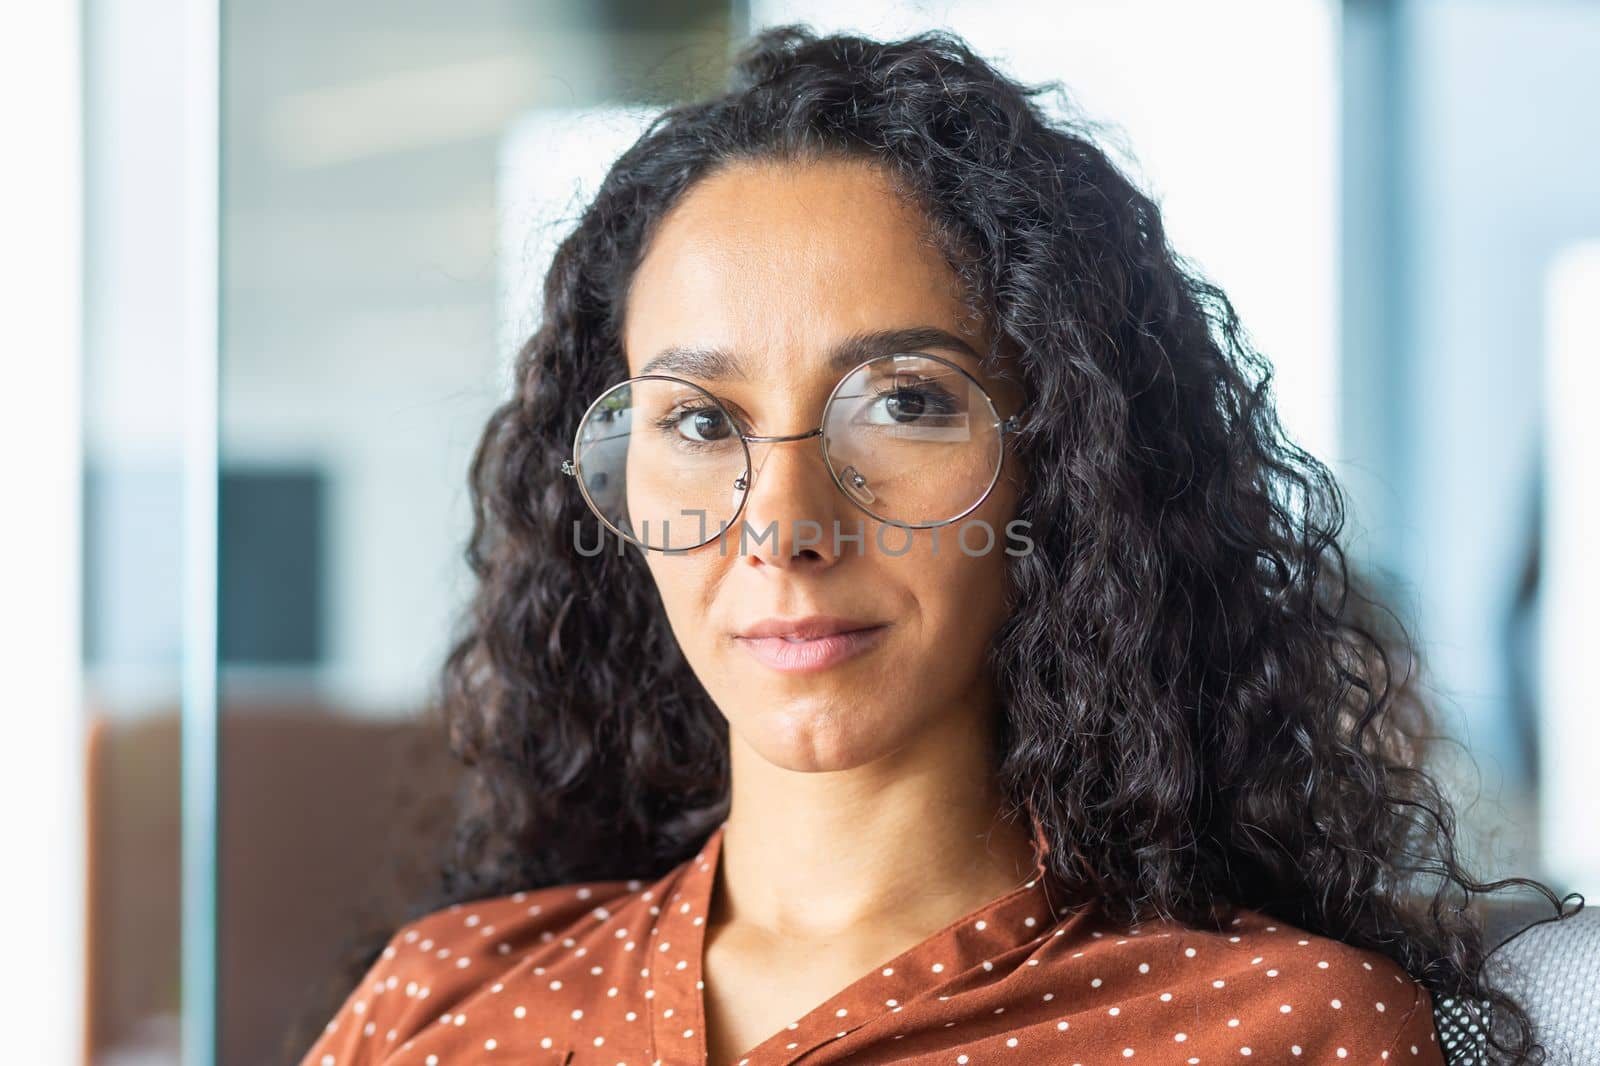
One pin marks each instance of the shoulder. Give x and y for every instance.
(1332, 1000)
(440, 959)
(465, 934)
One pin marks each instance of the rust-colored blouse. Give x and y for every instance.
(608, 974)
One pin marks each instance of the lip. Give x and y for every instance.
(807, 627)
(815, 642)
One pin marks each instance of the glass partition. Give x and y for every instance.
(391, 176)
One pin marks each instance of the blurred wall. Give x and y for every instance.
(364, 344)
(1470, 165)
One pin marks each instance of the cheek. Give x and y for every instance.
(957, 575)
(967, 576)
(959, 579)
(687, 585)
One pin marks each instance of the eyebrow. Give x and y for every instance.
(720, 364)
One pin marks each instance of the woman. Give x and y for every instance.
(969, 670)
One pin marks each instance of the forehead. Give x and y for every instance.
(777, 261)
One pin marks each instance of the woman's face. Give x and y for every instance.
(774, 265)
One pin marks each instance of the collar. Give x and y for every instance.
(680, 903)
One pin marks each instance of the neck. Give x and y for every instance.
(911, 840)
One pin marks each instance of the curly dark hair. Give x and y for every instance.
(1205, 705)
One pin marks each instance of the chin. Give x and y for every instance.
(811, 734)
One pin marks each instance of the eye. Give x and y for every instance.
(703, 425)
(905, 405)
(902, 403)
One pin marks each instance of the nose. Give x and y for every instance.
(792, 516)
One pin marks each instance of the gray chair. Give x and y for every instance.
(1553, 970)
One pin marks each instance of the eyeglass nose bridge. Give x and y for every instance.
(742, 483)
(753, 439)
(851, 480)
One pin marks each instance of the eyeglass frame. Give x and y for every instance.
(1005, 425)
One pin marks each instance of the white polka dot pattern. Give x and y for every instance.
(609, 973)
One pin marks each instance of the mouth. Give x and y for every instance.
(806, 644)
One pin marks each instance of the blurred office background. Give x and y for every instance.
(312, 237)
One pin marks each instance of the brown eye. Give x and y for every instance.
(704, 425)
(904, 405)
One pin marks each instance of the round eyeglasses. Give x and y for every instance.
(912, 439)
